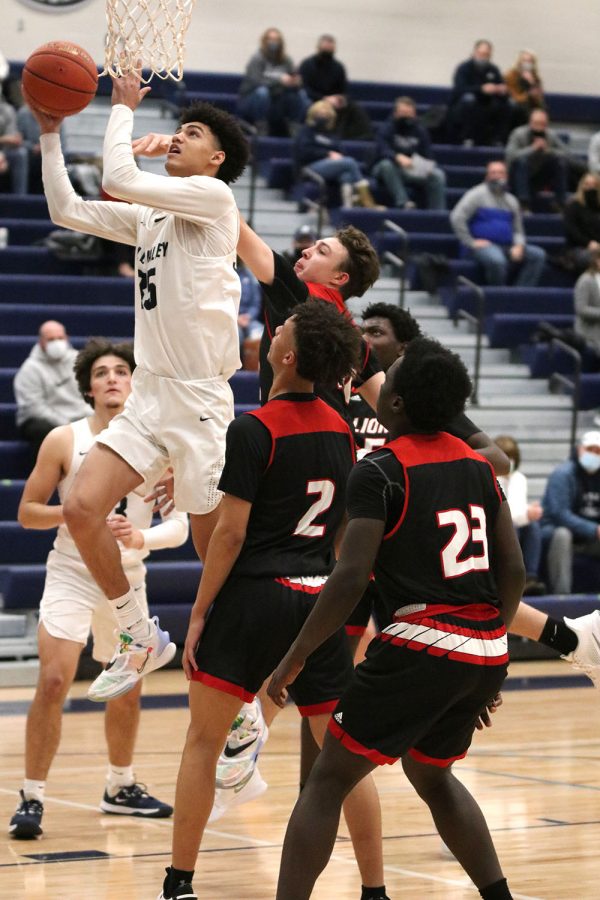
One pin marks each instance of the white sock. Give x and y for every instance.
(118, 777)
(131, 617)
(34, 789)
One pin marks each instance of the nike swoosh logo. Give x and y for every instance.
(230, 752)
(122, 605)
(143, 665)
(82, 452)
(159, 219)
(205, 418)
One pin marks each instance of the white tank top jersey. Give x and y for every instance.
(185, 231)
(133, 506)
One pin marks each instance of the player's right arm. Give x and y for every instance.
(255, 254)
(106, 219)
(50, 467)
(507, 564)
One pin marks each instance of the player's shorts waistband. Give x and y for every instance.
(214, 379)
(309, 584)
(480, 612)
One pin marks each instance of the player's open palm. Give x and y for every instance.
(151, 145)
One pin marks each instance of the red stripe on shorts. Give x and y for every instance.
(296, 586)
(226, 687)
(355, 629)
(432, 761)
(318, 709)
(354, 747)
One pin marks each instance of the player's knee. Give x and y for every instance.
(128, 702)
(426, 779)
(53, 685)
(77, 511)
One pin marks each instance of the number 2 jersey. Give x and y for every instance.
(290, 459)
(185, 231)
(439, 501)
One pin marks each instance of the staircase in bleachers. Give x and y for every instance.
(513, 396)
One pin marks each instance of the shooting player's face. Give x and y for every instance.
(110, 382)
(194, 150)
(323, 263)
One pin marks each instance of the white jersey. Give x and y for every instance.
(132, 506)
(185, 231)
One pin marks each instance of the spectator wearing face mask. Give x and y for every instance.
(271, 94)
(582, 222)
(524, 86)
(587, 302)
(45, 388)
(479, 105)
(537, 158)
(487, 220)
(571, 520)
(322, 74)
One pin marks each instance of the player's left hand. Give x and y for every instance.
(127, 90)
(484, 720)
(152, 145)
(286, 673)
(163, 494)
(122, 529)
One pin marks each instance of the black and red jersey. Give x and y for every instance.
(280, 297)
(291, 459)
(439, 501)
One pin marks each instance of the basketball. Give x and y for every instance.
(59, 78)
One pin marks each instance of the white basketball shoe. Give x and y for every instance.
(586, 655)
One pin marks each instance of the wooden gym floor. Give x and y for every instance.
(536, 774)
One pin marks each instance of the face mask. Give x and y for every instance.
(273, 47)
(325, 54)
(538, 133)
(590, 462)
(57, 349)
(497, 184)
(402, 120)
(591, 198)
(527, 67)
(322, 122)
(481, 63)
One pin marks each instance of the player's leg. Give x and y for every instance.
(202, 528)
(460, 822)
(313, 825)
(58, 664)
(212, 712)
(362, 812)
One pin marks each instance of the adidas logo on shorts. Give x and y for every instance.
(338, 717)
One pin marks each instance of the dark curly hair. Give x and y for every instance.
(405, 326)
(87, 356)
(228, 134)
(362, 264)
(433, 382)
(327, 343)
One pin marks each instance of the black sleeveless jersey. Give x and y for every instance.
(439, 501)
(291, 459)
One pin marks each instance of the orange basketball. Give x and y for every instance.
(59, 78)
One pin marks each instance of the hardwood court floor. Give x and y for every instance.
(536, 774)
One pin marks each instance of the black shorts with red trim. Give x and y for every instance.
(424, 683)
(250, 628)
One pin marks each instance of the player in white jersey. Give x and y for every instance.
(185, 229)
(72, 602)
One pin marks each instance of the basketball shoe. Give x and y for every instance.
(131, 661)
(134, 800)
(181, 892)
(238, 779)
(586, 655)
(26, 824)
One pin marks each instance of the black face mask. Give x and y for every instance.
(536, 133)
(591, 198)
(325, 55)
(402, 121)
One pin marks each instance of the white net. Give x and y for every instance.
(152, 31)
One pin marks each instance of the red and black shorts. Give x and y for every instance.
(250, 628)
(424, 683)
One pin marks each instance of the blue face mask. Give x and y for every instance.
(590, 462)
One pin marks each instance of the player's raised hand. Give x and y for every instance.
(286, 673)
(48, 124)
(127, 89)
(152, 144)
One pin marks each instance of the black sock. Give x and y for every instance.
(373, 893)
(558, 635)
(174, 878)
(496, 891)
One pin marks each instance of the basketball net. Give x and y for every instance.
(150, 30)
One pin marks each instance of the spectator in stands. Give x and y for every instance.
(537, 159)
(524, 86)
(271, 94)
(14, 156)
(582, 222)
(405, 159)
(322, 74)
(479, 105)
(571, 520)
(250, 323)
(593, 159)
(45, 387)
(4, 70)
(304, 236)
(352, 122)
(587, 302)
(316, 149)
(525, 514)
(487, 221)
(29, 128)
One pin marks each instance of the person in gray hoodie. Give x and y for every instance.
(45, 388)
